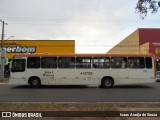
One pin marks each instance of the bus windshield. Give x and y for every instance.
(18, 65)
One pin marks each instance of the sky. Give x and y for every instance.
(95, 25)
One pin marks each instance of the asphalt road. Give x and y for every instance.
(127, 93)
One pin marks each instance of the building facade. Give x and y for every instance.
(13, 47)
(143, 40)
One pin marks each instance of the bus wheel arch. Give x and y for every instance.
(34, 81)
(107, 82)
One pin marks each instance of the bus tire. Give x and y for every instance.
(107, 82)
(35, 82)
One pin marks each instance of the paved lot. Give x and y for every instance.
(128, 93)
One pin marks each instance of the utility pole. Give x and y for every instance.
(2, 51)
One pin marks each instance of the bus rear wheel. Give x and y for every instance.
(35, 83)
(107, 82)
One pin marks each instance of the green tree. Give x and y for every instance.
(143, 6)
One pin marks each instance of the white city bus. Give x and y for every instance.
(103, 70)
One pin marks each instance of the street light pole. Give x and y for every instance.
(10, 37)
(2, 52)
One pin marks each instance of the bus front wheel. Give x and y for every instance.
(35, 82)
(107, 82)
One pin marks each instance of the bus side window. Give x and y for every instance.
(101, 62)
(33, 62)
(119, 62)
(18, 65)
(107, 63)
(158, 65)
(83, 62)
(66, 62)
(148, 61)
(49, 62)
(136, 62)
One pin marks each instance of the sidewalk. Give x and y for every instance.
(124, 108)
(6, 80)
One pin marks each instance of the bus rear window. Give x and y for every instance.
(18, 65)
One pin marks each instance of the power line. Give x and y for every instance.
(78, 20)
